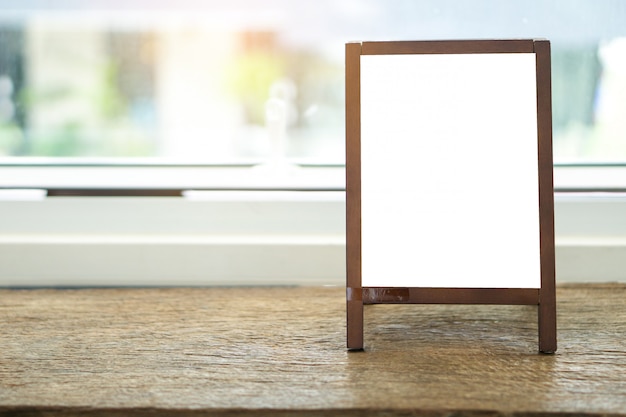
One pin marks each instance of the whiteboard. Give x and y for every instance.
(449, 172)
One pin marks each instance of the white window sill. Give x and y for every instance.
(261, 177)
(245, 237)
(174, 177)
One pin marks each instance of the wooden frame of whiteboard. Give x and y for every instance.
(357, 295)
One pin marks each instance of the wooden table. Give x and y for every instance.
(281, 351)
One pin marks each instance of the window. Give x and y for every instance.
(197, 83)
(141, 97)
(200, 81)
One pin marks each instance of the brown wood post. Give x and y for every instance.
(547, 295)
(354, 292)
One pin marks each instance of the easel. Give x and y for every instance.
(357, 294)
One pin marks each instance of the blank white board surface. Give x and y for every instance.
(449, 173)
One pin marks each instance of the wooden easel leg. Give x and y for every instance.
(355, 324)
(547, 325)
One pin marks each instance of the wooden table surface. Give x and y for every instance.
(281, 351)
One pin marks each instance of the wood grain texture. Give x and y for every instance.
(425, 295)
(281, 351)
(465, 46)
(354, 305)
(547, 302)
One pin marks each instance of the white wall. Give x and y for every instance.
(243, 238)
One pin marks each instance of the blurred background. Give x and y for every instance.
(189, 81)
